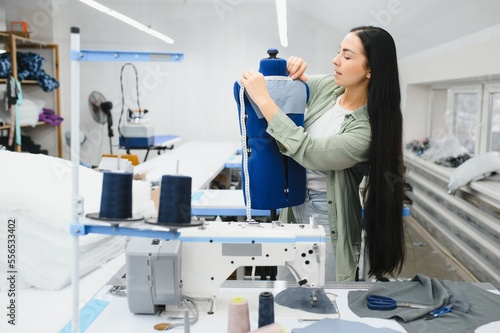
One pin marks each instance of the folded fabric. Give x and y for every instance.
(29, 111)
(5, 66)
(31, 63)
(329, 325)
(51, 119)
(29, 67)
(434, 293)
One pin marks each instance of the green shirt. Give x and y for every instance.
(344, 157)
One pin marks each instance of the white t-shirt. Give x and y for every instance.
(326, 125)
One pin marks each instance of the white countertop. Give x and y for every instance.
(202, 161)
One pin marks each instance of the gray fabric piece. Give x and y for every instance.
(478, 167)
(341, 326)
(424, 290)
(300, 298)
(289, 95)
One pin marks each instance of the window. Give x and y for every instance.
(490, 136)
(495, 123)
(469, 113)
(465, 119)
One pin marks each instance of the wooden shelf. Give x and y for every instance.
(30, 82)
(6, 127)
(15, 42)
(25, 42)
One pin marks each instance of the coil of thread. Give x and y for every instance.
(116, 197)
(175, 200)
(238, 320)
(272, 328)
(266, 308)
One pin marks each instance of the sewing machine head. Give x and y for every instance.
(201, 259)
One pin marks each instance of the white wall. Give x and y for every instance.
(3, 16)
(193, 98)
(38, 14)
(472, 58)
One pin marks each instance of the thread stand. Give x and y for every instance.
(114, 221)
(174, 226)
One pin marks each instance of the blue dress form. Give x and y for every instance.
(275, 180)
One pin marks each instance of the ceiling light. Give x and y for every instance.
(282, 23)
(128, 20)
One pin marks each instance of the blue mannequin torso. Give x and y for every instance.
(275, 181)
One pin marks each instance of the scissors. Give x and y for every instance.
(377, 302)
(439, 312)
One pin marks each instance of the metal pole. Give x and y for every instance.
(75, 159)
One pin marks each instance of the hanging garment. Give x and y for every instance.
(13, 97)
(270, 179)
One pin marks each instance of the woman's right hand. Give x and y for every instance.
(296, 68)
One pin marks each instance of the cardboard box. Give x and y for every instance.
(19, 26)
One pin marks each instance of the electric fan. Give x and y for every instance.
(100, 109)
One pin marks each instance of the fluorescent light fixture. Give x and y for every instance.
(282, 23)
(128, 20)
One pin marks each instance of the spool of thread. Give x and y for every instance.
(238, 316)
(116, 197)
(266, 308)
(273, 328)
(175, 200)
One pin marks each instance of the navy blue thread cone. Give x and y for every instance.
(175, 200)
(116, 197)
(266, 308)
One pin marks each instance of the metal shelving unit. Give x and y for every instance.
(78, 229)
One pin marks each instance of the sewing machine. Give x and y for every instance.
(160, 271)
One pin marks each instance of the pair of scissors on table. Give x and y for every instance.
(378, 302)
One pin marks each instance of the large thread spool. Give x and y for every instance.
(273, 328)
(266, 308)
(175, 200)
(238, 320)
(116, 197)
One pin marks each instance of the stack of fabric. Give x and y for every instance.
(36, 190)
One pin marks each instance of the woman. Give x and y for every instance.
(367, 140)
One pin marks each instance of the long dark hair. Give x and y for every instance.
(383, 200)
